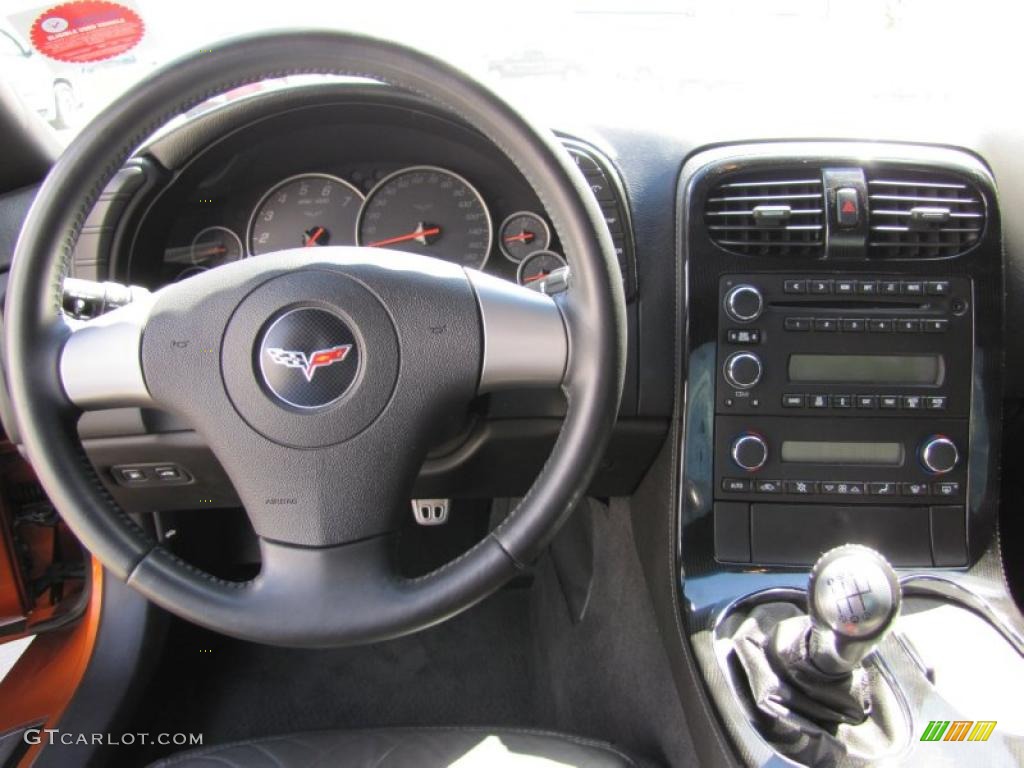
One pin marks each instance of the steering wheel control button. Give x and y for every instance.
(742, 370)
(749, 452)
(136, 475)
(939, 454)
(309, 357)
(744, 303)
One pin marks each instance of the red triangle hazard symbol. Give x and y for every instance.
(848, 207)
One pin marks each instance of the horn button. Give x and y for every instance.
(310, 358)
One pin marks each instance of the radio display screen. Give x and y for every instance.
(831, 452)
(866, 369)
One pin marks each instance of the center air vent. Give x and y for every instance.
(777, 215)
(922, 215)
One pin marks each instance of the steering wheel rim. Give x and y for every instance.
(317, 587)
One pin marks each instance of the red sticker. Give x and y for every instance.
(86, 31)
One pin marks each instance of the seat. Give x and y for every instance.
(407, 748)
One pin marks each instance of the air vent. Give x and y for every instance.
(922, 215)
(768, 216)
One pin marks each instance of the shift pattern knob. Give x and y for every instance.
(853, 598)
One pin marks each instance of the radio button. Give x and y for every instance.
(842, 401)
(828, 487)
(912, 288)
(867, 401)
(937, 403)
(939, 455)
(735, 484)
(915, 489)
(854, 325)
(801, 487)
(742, 369)
(798, 324)
(889, 401)
(750, 452)
(768, 486)
(826, 324)
(820, 286)
(913, 402)
(908, 326)
(851, 489)
(744, 303)
(846, 287)
(946, 488)
(817, 401)
(867, 287)
(880, 326)
(743, 336)
(936, 326)
(792, 401)
(883, 489)
(937, 287)
(794, 286)
(889, 287)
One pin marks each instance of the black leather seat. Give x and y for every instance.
(407, 748)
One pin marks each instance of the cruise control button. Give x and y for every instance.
(792, 401)
(794, 286)
(883, 489)
(946, 488)
(801, 487)
(826, 324)
(768, 486)
(612, 217)
(735, 484)
(797, 324)
(600, 186)
(915, 489)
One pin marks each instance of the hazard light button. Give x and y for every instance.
(847, 208)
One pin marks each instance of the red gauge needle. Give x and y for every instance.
(311, 240)
(535, 278)
(419, 233)
(522, 237)
(213, 250)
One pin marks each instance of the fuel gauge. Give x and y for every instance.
(523, 233)
(214, 246)
(538, 265)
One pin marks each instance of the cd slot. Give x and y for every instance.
(857, 304)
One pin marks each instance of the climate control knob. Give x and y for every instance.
(742, 369)
(749, 451)
(744, 303)
(939, 454)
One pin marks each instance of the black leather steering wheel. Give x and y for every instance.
(315, 377)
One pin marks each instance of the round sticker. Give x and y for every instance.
(91, 30)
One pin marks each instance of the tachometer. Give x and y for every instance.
(430, 211)
(305, 211)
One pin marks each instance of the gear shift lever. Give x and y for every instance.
(853, 597)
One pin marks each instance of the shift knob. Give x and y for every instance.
(853, 597)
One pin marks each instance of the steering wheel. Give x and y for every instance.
(315, 376)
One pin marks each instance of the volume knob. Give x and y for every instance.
(744, 303)
(939, 454)
(742, 369)
(749, 451)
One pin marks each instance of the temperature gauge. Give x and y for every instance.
(538, 265)
(523, 233)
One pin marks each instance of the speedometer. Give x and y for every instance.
(305, 211)
(429, 211)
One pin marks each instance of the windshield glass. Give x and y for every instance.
(768, 64)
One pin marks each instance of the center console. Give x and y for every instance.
(842, 387)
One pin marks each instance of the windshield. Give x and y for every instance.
(770, 63)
